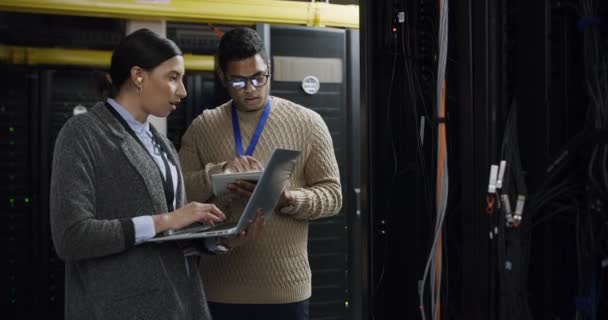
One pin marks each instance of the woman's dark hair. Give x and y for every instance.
(142, 48)
(239, 44)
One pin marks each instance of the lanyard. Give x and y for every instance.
(256, 136)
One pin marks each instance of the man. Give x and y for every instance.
(268, 278)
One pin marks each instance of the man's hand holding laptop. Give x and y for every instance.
(250, 233)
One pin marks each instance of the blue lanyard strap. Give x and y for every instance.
(256, 136)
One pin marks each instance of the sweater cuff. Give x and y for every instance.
(128, 229)
(300, 203)
(215, 168)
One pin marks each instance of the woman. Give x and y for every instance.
(117, 182)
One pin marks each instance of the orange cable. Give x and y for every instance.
(440, 173)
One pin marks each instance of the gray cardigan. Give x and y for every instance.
(102, 178)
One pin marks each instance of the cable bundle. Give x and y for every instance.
(434, 262)
(510, 241)
(576, 182)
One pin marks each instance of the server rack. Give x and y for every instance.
(19, 200)
(329, 239)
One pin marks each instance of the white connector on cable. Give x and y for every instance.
(501, 174)
(401, 16)
(506, 203)
(493, 178)
(519, 210)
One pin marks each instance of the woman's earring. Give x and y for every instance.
(139, 88)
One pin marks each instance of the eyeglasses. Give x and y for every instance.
(257, 81)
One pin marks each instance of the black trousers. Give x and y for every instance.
(287, 311)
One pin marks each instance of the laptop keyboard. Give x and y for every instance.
(197, 227)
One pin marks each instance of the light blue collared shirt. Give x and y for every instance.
(144, 225)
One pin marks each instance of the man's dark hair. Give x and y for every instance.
(142, 48)
(238, 44)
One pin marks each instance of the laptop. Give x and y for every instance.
(265, 196)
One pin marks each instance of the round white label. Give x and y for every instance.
(79, 109)
(311, 85)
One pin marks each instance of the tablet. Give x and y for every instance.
(220, 181)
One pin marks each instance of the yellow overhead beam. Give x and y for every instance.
(54, 56)
(207, 11)
(80, 57)
(198, 62)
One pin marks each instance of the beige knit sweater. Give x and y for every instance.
(274, 268)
